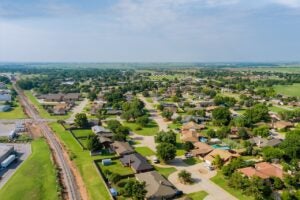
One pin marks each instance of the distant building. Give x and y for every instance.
(122, 148)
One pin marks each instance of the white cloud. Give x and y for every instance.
(288, 3)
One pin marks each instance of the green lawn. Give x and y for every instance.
(220, 180)
(145, 151)
(198, 195)
(116, 167)
(288, 90)
(179, 146)
(165, 171)
(15, 113)
(84, 162)
(82, 132)
(44, 113)
(192, 161)
(36, 177)
(174, 126)
(149, 129)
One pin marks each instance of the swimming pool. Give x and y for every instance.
(217, 146)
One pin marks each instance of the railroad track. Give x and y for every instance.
(68, 177)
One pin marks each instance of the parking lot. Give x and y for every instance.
(23, 151)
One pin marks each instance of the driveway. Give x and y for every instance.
(163, 125)
(78, 109)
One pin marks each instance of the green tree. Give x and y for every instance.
(166, 137)
(135, 190)
(185, 177)
(143, 120)
(81, 120)
(262, 131)
(166, 151)
(221, 116)
(188, 146)
(270, 153)
(93, 143)
(218, 162)
(257, 113)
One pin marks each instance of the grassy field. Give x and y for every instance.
(198, 195)
(165, 171)
(44, 113)
(35, 179)
(84, 162)
(220, 180)
(288, 90)
(277, 109)
(15, 113)
(150, 129)
(145, 151)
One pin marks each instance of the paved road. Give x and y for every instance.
(23, 151)
(68, 178)
(163, 125)
(143, 141)
(78, 109)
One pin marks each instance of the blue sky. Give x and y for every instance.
(149, 30)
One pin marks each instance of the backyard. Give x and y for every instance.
(36, 177)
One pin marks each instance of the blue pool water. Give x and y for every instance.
(217, 146)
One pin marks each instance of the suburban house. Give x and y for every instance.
(100, 130)
(60, 109)
(225, 155)
(189, 136)
(192, 126)
(201, 149)
(157, 186)
(263, 142)
(122, 148)
(137, 162)
(263, 170)
(105, 141)
(279, 125)
(96, 107)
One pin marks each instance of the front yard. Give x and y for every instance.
(149, 130)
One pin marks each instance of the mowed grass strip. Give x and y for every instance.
(145, 151)
(36, 177)
(43, 113)
(165, 171)
(198, 195)
(220, 180)
(85, 163)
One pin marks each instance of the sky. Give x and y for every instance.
(149, 30)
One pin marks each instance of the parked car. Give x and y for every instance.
(155, 160)
(188, 155)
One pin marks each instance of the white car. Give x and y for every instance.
(155, 160)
